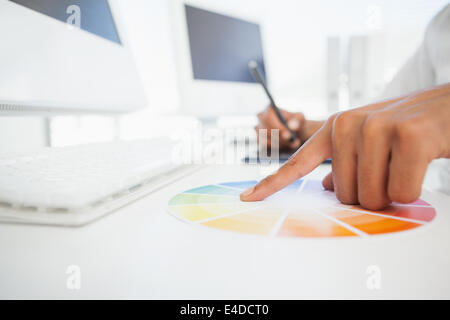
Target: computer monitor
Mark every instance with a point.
(66, 56)
(213, 50)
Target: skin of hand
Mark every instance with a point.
(303, 128)
(380, 152)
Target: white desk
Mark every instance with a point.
(141, 251)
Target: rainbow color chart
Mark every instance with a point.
(302, 209)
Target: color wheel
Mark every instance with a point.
(302, 209)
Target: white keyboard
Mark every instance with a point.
(75, 185)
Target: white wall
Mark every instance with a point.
(148, 31)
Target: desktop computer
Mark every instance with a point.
(66, 56)
(213, 49)
(62, 56)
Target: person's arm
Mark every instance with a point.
(380, 152)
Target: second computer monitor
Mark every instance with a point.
(213, 51)
(221, 46)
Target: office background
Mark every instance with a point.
(298, 37)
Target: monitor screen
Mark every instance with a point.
(50, 67)
(95, 16)
(221, 46)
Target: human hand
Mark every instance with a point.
(380, 152)
(296, 121)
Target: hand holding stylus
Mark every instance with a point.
(380, 152)
(302, 127)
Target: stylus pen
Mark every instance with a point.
(253, 66)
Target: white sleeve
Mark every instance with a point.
(430, 64)
(438, 41)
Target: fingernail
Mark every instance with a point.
(294, 124)
(248, 192)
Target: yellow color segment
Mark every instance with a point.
(206, 211)
(258, 221)
(196, 213)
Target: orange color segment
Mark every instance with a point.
(311, 224)
(372, 224)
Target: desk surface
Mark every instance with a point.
(140, 251)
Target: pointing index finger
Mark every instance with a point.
(306, 159)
